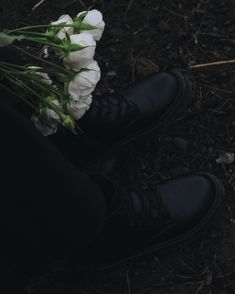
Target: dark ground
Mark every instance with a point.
(141, 37)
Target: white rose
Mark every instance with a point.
(65, 30)
(74, 59)
(45, 77)
(46, 128)
(85, 82)
(52, 114)
(78, 108)
(95, 19)
(46, 53)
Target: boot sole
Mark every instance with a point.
(162, 248)
(175, 112)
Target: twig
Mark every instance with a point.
(175, 14)
(212, 63)
(189, 283)
(128, 8)
(128, 282)
(37, 5)
(133, 66)
(214, 88)
(81, 2)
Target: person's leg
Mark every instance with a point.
(46, 204)
(10, 283)
(140, 219)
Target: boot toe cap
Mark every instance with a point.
(189, 199)
(154, 94)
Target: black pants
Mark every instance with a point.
(47, 206)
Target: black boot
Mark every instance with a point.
(113, 122)
(154, 219)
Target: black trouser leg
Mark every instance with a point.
(47, 206)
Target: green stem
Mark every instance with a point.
(33, 34)
(38, 83)
(30, 90)
(60, 68)
(36, 40)
(38, 79)
(25, 87)
(11, 65)
(39, 27)
(14, 94)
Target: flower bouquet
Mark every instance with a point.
(59, 82)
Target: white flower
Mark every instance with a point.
(46, 53)
(95, 19)
(84, 82)
(66, 19)
(46, 128)
(78, 108)
(75, 58)
(45, 77)
(51, 113)
(49, 119)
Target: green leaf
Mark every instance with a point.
(81, 16)
(6, 39)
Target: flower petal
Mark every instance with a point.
(74, 59)
(95, 19)
(65, 30)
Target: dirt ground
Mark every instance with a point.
(143, 36)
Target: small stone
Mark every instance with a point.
(111, 74)
(226, 158)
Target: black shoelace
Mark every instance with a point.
(142, 209)
(108, 112)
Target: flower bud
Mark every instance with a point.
(68, 122)
(85, 81)
(53, 112)
(45, 127)
(61, 33)
(78, 108)
(44, 76)
(94, 19)
(74, 58)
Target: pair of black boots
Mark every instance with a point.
(144, 218)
